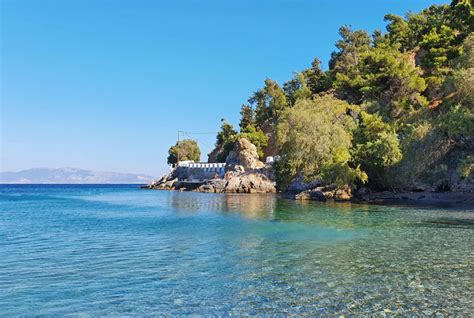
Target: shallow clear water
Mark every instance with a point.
(119, 250)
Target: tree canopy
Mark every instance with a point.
(186, 149)
(384, 98)
(315, 141)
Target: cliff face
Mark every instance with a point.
(245, 173)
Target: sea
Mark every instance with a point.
(118, 250)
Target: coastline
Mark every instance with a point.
(427, 198)
(419, 198)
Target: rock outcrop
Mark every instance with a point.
(240, 182)
(325, 193)
(300, 185)
(245, 155)
(167, 182)
(245, 173)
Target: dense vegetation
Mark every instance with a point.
(186, 149)
(393, 110)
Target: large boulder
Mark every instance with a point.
(314, 195)
(243, 154)
(167, 182)
(253, 182)
(213, 186)
(300, 185)
(325, 193)
(237, 182)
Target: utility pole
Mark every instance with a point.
(177, 145)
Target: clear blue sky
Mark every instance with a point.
(106, 84)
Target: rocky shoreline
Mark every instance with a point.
(242, 185)
(254, 181)
(423, 197)
(245, 173)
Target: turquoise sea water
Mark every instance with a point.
(118, 250)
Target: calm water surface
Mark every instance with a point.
(119, 250)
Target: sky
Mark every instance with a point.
(106, 84)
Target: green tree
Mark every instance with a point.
(399, 32)
(226, 134)
(350, 46)
(462, 16)
(256, 136)
(386, 77)
(460, 81)
(247, 116)
(187, 149)
(456, 119)
(466, 166)
(440, 48)
(317, 80)
(314, 140)
(225, 140)
(297, 88)
(269, 102)
(345, 62)
(376, 147)
(457, 124)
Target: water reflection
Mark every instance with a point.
(341, 215)
(177, 254)
(251, 206)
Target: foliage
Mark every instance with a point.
(456, 120)
(256, 136)
(414, 84)
(457, 123)
(350, 46)
(460, 81)
(384, 76)
(309, 82)
(297, 88)
(376, 146)
(318, 81)
(226, 138)
(187, 149)
(269, 102)
(315, 140)
(466, 166)
(247, 116)
(462, 16)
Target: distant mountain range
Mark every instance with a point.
(71, 175)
